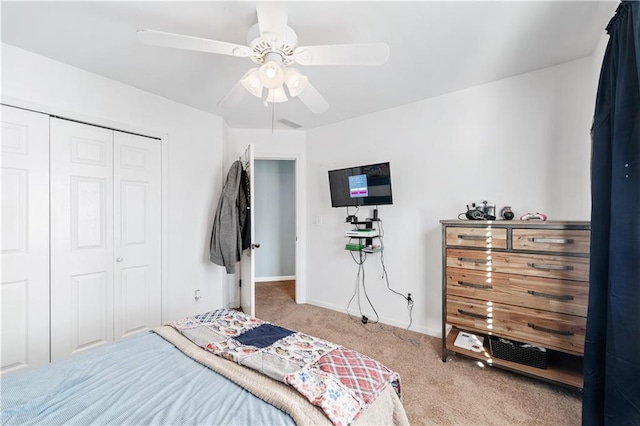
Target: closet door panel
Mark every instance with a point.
(24, 241)
(81, 237)
(91, 326)
(137, 234)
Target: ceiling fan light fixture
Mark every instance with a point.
(277, 95)
(271, 75)
(251, 82)
(295, 81)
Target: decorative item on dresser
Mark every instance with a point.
(526, 282)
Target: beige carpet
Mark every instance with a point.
(435, 393)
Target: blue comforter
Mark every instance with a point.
(141, 380)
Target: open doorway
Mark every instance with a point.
(275, 230)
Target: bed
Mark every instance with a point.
(219, 367)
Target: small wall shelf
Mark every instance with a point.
(368, 239)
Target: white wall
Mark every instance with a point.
(523, 141)
(275, 221)
(192, 157)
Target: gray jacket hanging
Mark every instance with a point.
(226, 239)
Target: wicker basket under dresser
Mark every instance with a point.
(524, 281)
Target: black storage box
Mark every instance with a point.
(510, 350)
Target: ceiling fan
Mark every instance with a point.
(273, 45)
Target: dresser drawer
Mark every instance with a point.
(562, 296)
(485, 237)
(538, 265)
(551, 240)
(547, 329)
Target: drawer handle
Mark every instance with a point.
(552, 240)
(550, 267)
(473, 285)
(550, 330)
(551, 296)
(473, 315)
(469, 259)
(475, 237)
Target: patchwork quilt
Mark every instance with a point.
(342, 382)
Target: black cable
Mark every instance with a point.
(414, 342)
(391, 329)
(358, 290)
(380, 327)
(355, 291)
(354, 214)
(364, 288)
(363, 258)
(385, 274)
(357, 287)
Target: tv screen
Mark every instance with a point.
(368, 185)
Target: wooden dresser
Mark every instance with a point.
(519, 280)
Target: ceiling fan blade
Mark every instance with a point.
(272, 19)
(233, 97)
(342, 54)
(313, 100)
(180, 41)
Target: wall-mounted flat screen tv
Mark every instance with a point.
(368, 185)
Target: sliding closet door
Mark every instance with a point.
(137, 234)
(24, 244)
(81, 237)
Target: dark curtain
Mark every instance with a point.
(611, 393)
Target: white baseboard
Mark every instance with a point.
(395, 323)
(269, 279)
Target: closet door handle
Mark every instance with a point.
(119, 259)
(550, 267)
(473, 285)
(551, 296)
(472, 314)
(550, 330)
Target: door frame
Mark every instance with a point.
(162, 137)
(279, 276)
(301, 217)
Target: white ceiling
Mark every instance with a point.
(436, 47)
